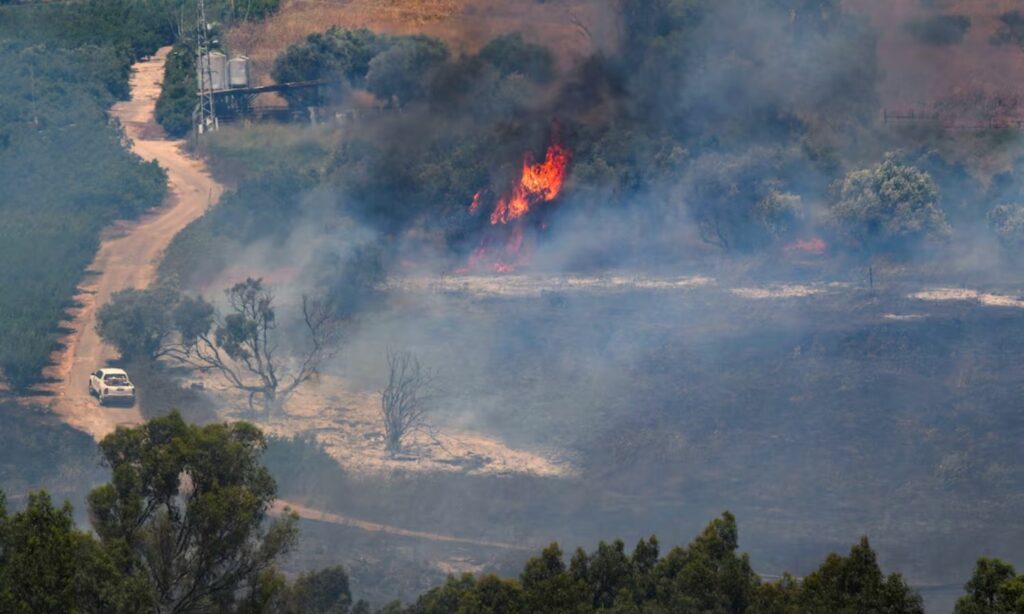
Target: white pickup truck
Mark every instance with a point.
(110, 385)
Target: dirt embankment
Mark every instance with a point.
(129, 254)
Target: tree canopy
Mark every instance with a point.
(995, 588)
(708, 575)
(187, 509)
(183, 526)
(889, 202)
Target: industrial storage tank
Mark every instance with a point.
(238, 71)
(214, 71)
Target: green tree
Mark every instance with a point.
(242, 346)
(322, 592)
(138, 322)
(319, 592)
(49, 566)
(338, 54)
(510, 54)
(177, 101)
(401, 73)
(995, 588)
(889, 205)
(187, 509)
(1007, 222)
(854, 584)
(738, 201)
(549, 588)
(708, 575)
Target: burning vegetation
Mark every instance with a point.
(735, 136)
(502, 251)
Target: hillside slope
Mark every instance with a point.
(571, 28)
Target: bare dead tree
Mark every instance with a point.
(242, 346)
(405, 402)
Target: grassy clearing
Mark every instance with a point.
(238, 152)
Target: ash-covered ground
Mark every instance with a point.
(816, 411)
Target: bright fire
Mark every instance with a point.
(540, 182)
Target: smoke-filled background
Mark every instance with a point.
(691, 256)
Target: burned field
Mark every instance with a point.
(816, 413)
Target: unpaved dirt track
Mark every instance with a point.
(129, 257)
(318, 515)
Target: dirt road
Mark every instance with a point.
(129, 256)
(313, 514)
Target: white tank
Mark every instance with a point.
(214, 71)
(238, 71)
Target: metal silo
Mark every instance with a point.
(238, 71)
(214, 71)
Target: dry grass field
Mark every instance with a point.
(571, 28)
(916, 73)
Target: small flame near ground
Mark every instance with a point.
(539, 182)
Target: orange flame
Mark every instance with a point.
(539, 183)
(473, 206)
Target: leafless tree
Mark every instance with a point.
(405, 402)
(242, 346)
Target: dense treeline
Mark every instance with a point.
(63, 164)
(706, 576)
(206, 490)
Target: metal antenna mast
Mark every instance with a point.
(207, 114)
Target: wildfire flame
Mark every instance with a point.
(475, 205)
(540, 182)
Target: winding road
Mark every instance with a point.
(129, 256)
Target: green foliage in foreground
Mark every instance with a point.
(706, 576)
(182, 527)
(47, 565)
(995, 588)
(187, 511)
